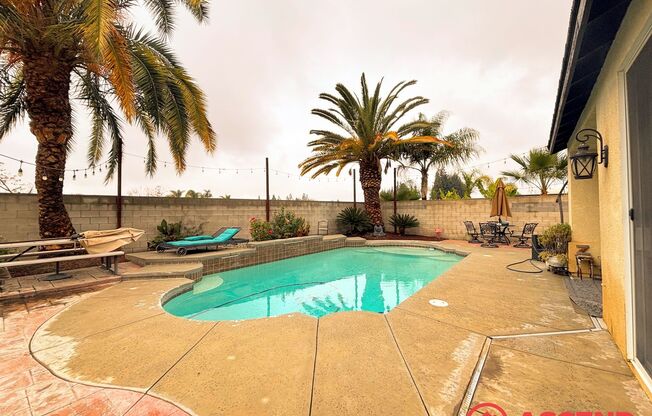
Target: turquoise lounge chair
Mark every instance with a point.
(223, 237)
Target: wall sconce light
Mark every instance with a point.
(584, 161)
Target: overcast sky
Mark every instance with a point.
(493, 64)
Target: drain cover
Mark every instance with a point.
(438, 303)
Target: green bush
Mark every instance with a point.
(285, 224)
(260, 230)
(405, 191)
(355, 221)
(452, 194)
(403, 221)
(173, 231)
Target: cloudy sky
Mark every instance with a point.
(493, 64)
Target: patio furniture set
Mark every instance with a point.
(492, 233)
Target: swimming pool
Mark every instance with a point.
(374, 279)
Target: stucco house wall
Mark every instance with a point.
(606, 112)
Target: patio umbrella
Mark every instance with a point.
(104, 241)
(499, 204)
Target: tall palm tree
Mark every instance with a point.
(426, 156)
(192, 194)
(539, 168)
(56, 50)
(207, 193)
(368, 134)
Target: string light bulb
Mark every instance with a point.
(85, 174)
(44, 177)
(60, 178)
(20, 169)
(74, 175)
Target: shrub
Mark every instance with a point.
(354, 221)
(260, 230)
(172, 231)
(405, 191)
(452, 194)
(403, 221)
(446, 182)
(555, 241)
(286, 224)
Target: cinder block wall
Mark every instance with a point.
(19, 213)
(448, 215)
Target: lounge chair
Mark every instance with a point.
(528, 230)
(472, 232)
(222, 237)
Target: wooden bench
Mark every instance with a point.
(108, 260)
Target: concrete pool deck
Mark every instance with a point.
(504, 338)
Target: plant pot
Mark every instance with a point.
(557, 262)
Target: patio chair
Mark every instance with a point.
(528, 230)
(488, 233)
(223, 237)
(472, 232)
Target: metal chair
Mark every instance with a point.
(488, 233)
(472, 232)
(528, 231)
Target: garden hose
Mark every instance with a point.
(538, 269)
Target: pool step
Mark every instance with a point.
(156, 271)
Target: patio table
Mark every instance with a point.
(501, 232)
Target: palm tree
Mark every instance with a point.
(539, 168)
(192, 194)
(470, 182)
(487, 187)
(54, 51)
(207, 193)
(368, 134)
(426, 156)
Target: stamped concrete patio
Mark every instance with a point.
(508, 338)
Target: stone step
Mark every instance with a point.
(155, 271)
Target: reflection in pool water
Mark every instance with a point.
(372, 279)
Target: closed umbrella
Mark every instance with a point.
(499, 203)
(105, 241)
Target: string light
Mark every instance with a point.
(74, 175)
(20, 169)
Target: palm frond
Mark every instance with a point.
(12, 102)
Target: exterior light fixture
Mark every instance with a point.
(585, 161)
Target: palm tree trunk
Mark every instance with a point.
(47, 80)
(424, 184)
(370, 179)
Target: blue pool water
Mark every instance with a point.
(374, 279)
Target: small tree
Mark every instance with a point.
(406, 191)
(446, 182)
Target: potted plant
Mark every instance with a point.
(403, 221)
(555, 241)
